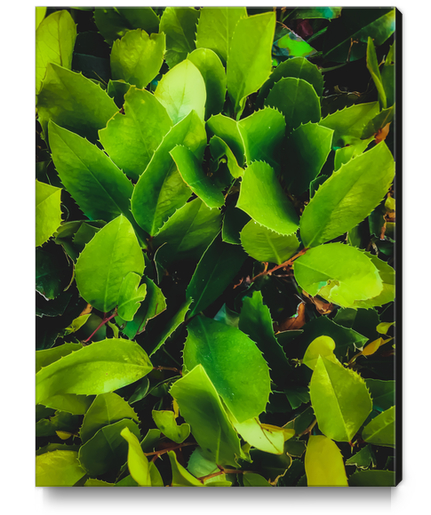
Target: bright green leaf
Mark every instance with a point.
(308, 148)
(230, 359)
(228, 131)
(180, 476)
(47, 356)
(136, 459)
(313, 13)
(218, 149)
(265, 245)
(292, 45)
(373, 68)
(58, 468)
(354, 278)
(74, 102)
(131, 138)
(348, 196)
(324, 463)
(137, 57)
(107, 408)
(181, 91)
(297, 100)
(234, 221)
(214, 75)
(265, 437)
(262, 197)
(252, 479)
(160, 190)
(249, 60)
(179, 25)
(201, 407)
(106, 451)
(345, 154)
(387, 275)
(216, 27)
(340, 400)
(102, 266)
(323, 346)
(373, 478)
(48, 211)
(381, 430)
(40, 15)
(165, 421)
(131, 296)
(55, 41)
(194, 176)
(98, 368)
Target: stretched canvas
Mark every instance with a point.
(216, 246)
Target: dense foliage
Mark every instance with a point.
(215, 227)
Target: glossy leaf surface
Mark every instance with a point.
(136, 459)
(101, 367)
(102, 266)
(340, 400)
(58, 468)
(48, 211)
(230, 359)
(165, 421)
(348, 196)
(381, 430)
(324, 463)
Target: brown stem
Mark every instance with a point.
(173, 369)
(283, 265)
(103, 322)
(309, 428)
(221, 472)
(163, 451)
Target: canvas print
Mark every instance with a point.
(217, 256)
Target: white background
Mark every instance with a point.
(17, 309)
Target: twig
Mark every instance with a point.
(283, 265)
(163, 451)
(173, 369)
(103, 322)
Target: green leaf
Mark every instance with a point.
(373, 68)
(114, 22)
(354, 277)
(83, 168)
(387, 275)
(373, 478)
(158, 339)
(384, 118)
(194, 176)
(101, 367)
(297, 100)
(40, 15)
(107, 408)
(323, 346)
(179, 25)
(117, 89)
(381, 430)
(265, 245)
(160, 190)
(187, 233)
(349, 123)
(265, 437)
(348, 196)
(61, 89)
(324, 463)
(389, 77)
(131, 296)
(255, 321)
(297, 67)
(165, 421)
(181, 91)
(218, 149)
(153, 304)
(215, 271)
(55, 41)
(106, 451)
(234, 221)
(229, 358)
(382, 392)
(47, 356)
(53, 272)
(137, 57)
(180, 476)
(357, 25)
(249, 60)
(262, 197)
(136, 459)
(228, 130)
(58, 468)
(262, 134)
(345, 154)
(131, 138)
(292, 45)
(252, 479)
(363, 459)
(214, 75)
(308, 148)
(48, 211)
(340, 400)
(216, 27)
(70, 403)
(201, 407)
(102, 266)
